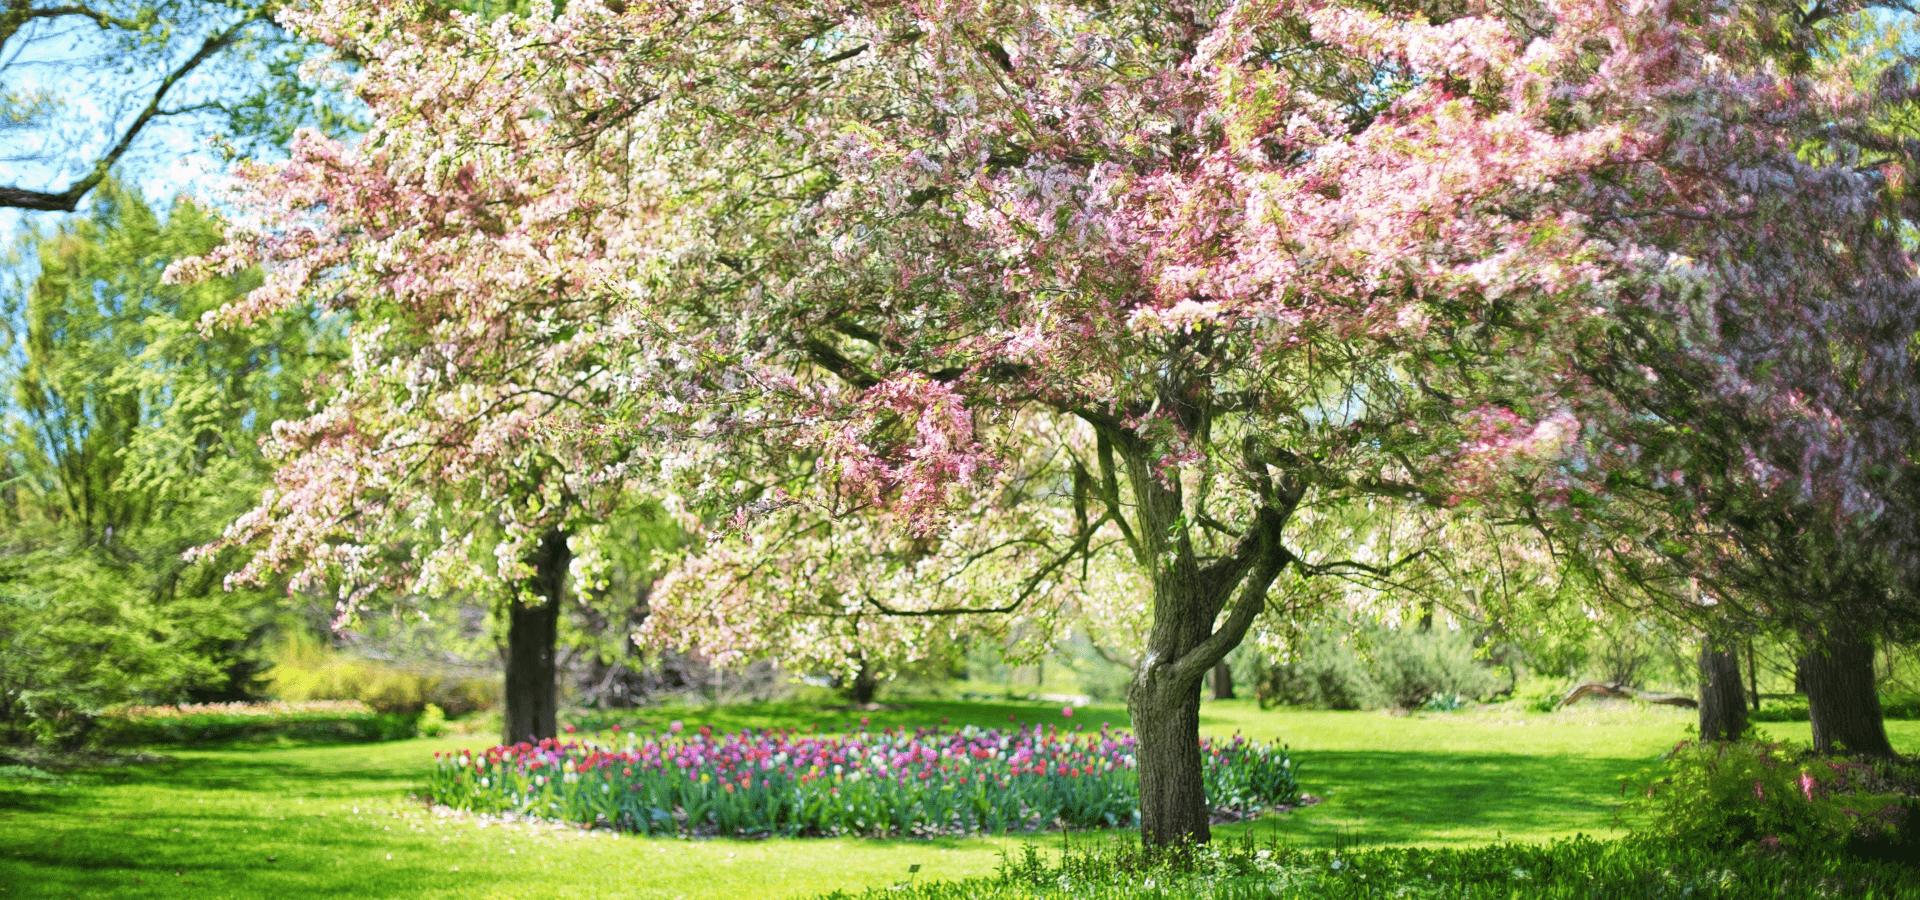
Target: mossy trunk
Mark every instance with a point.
(533, 632)
(1173, 798)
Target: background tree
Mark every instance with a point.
(130, 439)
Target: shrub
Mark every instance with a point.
(1900, 706)
(432, 722)
(1541, 694)
(1789, 710)
(78, 638)
(1369, 665)
(892, 783)
(305, 669)
(1729, 795)
(1794, 709)
(348, 721)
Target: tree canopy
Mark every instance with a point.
(959, 306)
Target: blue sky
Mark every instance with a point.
(99, 86)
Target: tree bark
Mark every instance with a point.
(533, 630)
(1222, 681)
(1166, 722)
(1189, 597)
(1723, 709)
(1841, 695)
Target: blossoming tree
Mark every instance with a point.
(961, 306)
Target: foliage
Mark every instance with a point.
(323, 722)
(893, 783)
(1368, 665)
(76, 638)
(131, 438)
(915, 427)
(304, 669)
(1578, 868)
(1735, 794)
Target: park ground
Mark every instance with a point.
(339, 821)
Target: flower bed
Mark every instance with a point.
(928, 781)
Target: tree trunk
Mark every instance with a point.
(1845, 707)
(1182, 644)
(1222, 681)
(533, 630)
(1166, 721)
(1191, 594)
(864, 686)
(1753, 676)
(1723, 711)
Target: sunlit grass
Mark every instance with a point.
(336, 821)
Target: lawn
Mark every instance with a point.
(302, 821)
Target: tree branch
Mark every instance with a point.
(1273, 557)
(67, 200)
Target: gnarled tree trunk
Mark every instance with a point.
(1723, 711)
(533, 631)
(1182, 642)
(1841, 697)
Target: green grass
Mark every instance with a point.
(1579, 869)
(204, 825)
(335, 822)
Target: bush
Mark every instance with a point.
(78, 638)
(1541, 695)
(893, 783)
(1900, 706)
(1370, 665)
(1789, 710)
(324, 722)
(305, 669)
(433, 722)
(1578, 868)
(1732, 795)
(1794, 709)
